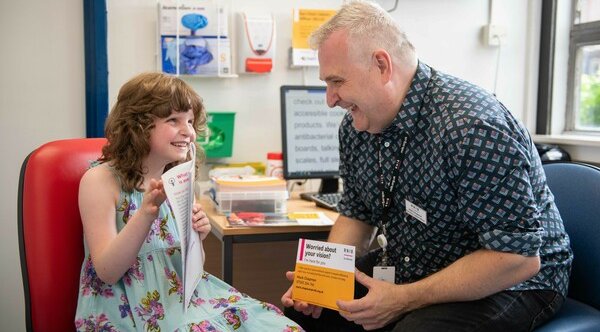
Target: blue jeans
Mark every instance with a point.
(503, 311)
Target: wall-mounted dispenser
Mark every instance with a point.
(256, 47)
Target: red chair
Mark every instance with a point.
(50, 230)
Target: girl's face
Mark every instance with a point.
(171, 137)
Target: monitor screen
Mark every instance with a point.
(309, 133)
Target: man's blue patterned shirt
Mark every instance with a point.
(471, 166)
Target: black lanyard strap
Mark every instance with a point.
(387, 191)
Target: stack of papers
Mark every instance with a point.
(236, 183)
(259, 219)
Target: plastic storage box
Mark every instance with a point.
(255, 201)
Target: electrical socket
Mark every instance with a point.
(493, 34)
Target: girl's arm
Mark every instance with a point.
(112, 252)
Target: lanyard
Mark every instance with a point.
(387, 191)
(386, 194)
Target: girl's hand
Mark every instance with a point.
(153, 198)
(200, 221)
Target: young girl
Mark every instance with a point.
(130, 277)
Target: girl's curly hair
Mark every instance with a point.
(141, 100)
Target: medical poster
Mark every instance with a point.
(324, 273)
(194, 39)
(304, 23)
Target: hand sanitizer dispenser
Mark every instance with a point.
(256, 35)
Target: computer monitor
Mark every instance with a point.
(310, 136)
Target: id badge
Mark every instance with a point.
(385, 273)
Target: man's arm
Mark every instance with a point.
(352, 232)
(477, 275)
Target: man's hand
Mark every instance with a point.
(305, 308)
(382, 305)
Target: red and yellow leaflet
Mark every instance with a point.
(324, 273)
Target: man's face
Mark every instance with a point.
(352, 83)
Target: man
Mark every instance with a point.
(451, 183)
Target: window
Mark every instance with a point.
(583, 95)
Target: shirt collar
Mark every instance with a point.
(408, 115)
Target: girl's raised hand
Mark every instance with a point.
(200, 221)
(153, 198)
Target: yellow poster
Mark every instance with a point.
(324, 273)
(305, 21)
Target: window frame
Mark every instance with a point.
(546, 67)
(580, 35)
(96, 66)
(547, 74)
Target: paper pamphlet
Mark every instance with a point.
(265, 219)
(324, 273)
(179, 188)
(305, 22)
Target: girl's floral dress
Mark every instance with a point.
(149, 296)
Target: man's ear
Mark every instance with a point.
(383, 62)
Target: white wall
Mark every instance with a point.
(42, 98)
(447, 35)
(42, 86)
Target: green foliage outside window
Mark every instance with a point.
(589, 106)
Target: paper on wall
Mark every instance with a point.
(305, 21)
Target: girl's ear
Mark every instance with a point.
(383, 62)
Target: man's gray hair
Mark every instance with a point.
(369, 27)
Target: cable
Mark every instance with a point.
(300, 183)
(497, 64)
(304, 75)
(388, 10)
(393, 8)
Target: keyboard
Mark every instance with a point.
(328, 201)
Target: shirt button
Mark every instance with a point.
(386, 144)
(407, 259)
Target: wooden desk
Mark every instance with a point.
(230, 235)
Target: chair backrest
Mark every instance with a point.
(50, 230)
(576, 188)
